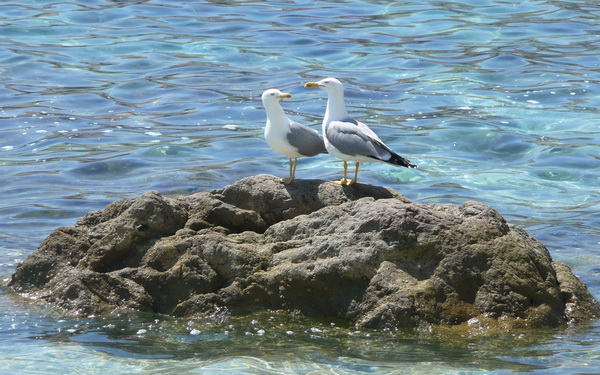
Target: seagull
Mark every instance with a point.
(348, 139)
(288, 137)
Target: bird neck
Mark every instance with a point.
(275, 114)
(336, 108)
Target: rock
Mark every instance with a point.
(361, 253)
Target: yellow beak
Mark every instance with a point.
(285, 95)
(311, 84)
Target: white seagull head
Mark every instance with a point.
(274, 96)
(329, 85)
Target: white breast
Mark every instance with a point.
(276, 137)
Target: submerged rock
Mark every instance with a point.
(362, 253)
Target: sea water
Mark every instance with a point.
(495, 100)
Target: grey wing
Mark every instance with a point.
(306, 140)
(364, 128)
(352, 139)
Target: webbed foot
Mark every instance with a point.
(341, 182)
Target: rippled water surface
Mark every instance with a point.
(100, 100)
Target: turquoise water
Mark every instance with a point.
(496, 101)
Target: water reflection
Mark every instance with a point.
(273, 341)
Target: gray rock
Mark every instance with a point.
(361, 253)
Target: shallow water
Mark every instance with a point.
(496, 101)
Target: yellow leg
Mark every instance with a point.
(293, 163)
(343, 181)
(352, 182)
(294, 169)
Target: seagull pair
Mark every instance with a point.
(343, 137)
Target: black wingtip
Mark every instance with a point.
(399, 160)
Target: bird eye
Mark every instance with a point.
(272, 93)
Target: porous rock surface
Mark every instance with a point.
(361, 253)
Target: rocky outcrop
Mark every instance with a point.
(361, 253)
